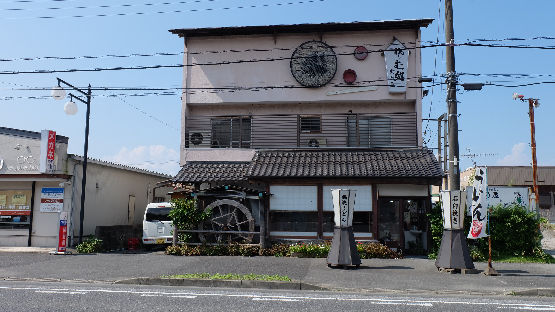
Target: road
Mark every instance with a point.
(67, 296)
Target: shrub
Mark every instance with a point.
(185, 216)
(276, 250)
(376, 250)
(309, 250)
(514, 232)
(90, 245)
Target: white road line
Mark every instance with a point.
(275, 299)
(192, 295)
(60, 292)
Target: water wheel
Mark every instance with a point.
(227, 215)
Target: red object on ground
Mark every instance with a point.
(132, 243)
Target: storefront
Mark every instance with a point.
(31, 200)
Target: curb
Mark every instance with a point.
(197, 282)
(537, 292)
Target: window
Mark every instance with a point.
(15, 209)
(231, 132)
(373, 131)
(158, 214)
(311, 124)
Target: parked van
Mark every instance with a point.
(157, 225)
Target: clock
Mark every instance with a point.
(313, 64)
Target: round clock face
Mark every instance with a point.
(313, 64)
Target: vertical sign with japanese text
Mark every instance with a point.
(453, 207)
(47, 151)
(479, 204)
(62, 234)
(396, 64)
(343, 204)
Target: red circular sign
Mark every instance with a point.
(349, 76)
(360, 53)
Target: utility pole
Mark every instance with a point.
(454, 175)
(453, 252)
(532, 103)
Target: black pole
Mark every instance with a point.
(454, 178)
(84, 182)
(31, 214)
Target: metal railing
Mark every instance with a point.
(300, 131)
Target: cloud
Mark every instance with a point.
(519, 156)
(157, 158)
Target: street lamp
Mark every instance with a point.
(70, 108)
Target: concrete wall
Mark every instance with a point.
(108, 193)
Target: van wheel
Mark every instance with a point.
(228, 216)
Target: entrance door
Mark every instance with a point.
(389, 222)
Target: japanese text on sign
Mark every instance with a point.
(396, 63)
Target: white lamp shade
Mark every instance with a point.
(70, 108)
(58, 93)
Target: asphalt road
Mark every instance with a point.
(43, 296)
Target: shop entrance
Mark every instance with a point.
(402, 223)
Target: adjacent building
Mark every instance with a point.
(274, 117)
(32, 197)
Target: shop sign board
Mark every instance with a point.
(52, 199)
(453, 205)
(396, 64)
(47, 151)
(343, 206)
(62, 233)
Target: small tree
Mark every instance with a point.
(185, 216)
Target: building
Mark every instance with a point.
(507, 184)
(31, 200)
(274, 117)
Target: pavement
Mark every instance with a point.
(406, 276)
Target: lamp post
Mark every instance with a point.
(532, 103)
(70, 108)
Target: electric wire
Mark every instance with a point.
(265, 5)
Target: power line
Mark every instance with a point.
(173, 11)
(125, 5)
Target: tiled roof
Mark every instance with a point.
(409, 163)
(208, 171)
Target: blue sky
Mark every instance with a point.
(143, 131)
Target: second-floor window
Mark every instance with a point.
(231, 132)
(310, 124)
(372, 131)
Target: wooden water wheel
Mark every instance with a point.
(230, 217)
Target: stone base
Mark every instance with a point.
(343, 250)
(453, 253)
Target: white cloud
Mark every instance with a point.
(520, 156)
(157, 158)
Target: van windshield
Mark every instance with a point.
(158, 214)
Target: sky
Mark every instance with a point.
(142, 128)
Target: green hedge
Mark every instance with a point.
(301, 250)
(515, 232)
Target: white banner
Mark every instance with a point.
(479, 204)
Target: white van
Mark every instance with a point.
(157, 225)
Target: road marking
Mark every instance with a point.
(258, 297)
(275, 299)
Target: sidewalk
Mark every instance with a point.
(411, 275)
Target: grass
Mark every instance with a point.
(231, 276)
(524, 259)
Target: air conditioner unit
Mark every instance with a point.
(317, 142)
(196, 138)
